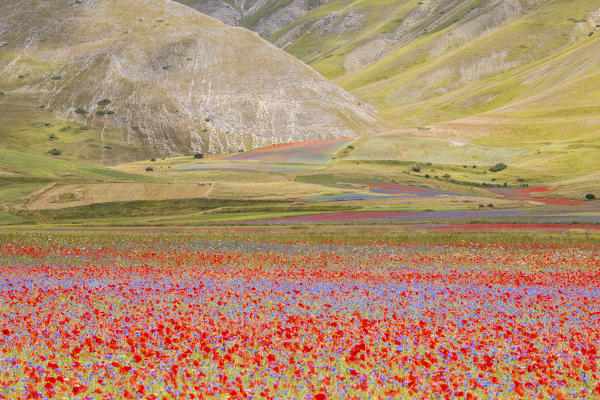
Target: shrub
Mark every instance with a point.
(56, 78)
(490, 205)
(446, 176)
(104, 102)
(1, 94)
(498, 167)
(100, 112)
(427, 176)
(148, 169)
(81, 111)
(153, 159)
(590, 196)
(198, 155)
(416, 168)
(55, 152)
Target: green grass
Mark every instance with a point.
(24, 126)
(136, 208)
(356, 235)
(434, 150)
(13, 191)
(53, 167)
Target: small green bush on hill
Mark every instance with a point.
(498, 167)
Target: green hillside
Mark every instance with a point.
(492, 73)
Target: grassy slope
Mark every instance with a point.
(529, 81)
(53, 168)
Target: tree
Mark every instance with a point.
(498, 167)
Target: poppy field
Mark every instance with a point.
(112, 315)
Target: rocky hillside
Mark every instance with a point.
(266, 17)
(421, 62)
(160, 77)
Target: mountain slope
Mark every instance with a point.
(159, 77)
(422, 62)
(266, 17)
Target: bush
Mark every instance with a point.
(416, 168)
(198, 155)
(148, 169)
(104, 102)
(590, 196)
(81, 111)
(153, 159)
(55, 152)
(498, 167)
(100, 112)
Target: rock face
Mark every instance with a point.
(160, 70)
(262, 16)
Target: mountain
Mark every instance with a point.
(266, 17)
(494, 72)
(114, 80)
(408, 57)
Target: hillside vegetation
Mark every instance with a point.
(520, 73)
(157, 77)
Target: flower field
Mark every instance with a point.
(164, 316)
